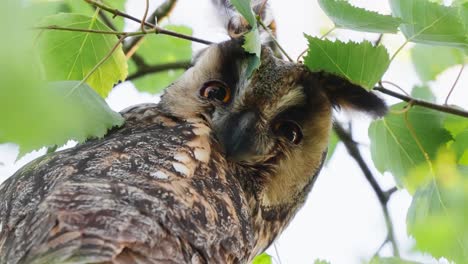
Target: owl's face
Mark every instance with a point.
(278, 118)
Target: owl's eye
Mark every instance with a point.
(289, 130)
(216, 90)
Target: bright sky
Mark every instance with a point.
(342, 221)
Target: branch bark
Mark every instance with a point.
(383, 196)
(414, 101)
(159, 68)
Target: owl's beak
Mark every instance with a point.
(238, 136)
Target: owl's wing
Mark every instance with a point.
(154, 191)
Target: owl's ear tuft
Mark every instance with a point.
(344, 94)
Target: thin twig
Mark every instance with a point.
(322, 37)
(277, 253)
(355, 153)
(158, 30)
(441, 108)
(159, 14)
(159, 68)
(145, 15)
(273, 38)
(379, 40)
(107, 20)
(398, 51)
(454, 84)
(95, 31)
(394, 85)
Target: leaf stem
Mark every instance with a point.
(273, 38)
(397, 51)
(441, 108)
(328, 32)
(418, 142)
(454, 84)
(158, 30)
(396, 86)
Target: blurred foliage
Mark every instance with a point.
(438, 213)
(391, 260)
(432, 23)
(263, 258)
(158, 50)
(423, 92)
(430, 61)
(35, 113)
(405, 138)
(344, 15)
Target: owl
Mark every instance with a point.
(213, 173)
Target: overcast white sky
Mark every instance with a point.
(342, 220)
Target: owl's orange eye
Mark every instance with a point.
(289, 130)
(216, 90)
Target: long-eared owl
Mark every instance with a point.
(211, 174)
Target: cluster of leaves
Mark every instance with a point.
(425, 150)
(56, 79)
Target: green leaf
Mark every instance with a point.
(47, 115)
(34, 114)
(245, 9)
(69, 55)
(263, 258)
(423, 92)
(361, 63)
(430, 61)
(430, 23)
(455, 124)
(158, 50)
(320, 261)
(398, 145)
(252, 42)
(252, 45)
(43, 8)
(437, 215)
(333, 142)
(460, 145)
(345, 15)
(391, 260)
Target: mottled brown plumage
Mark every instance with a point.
(211, 174)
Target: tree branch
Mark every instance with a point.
(95, 31)
(158, 30)
(413, 101)
(383, 196)
(143, 70)
(107, 20)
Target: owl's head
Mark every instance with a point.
(275, 123)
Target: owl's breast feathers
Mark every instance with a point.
(153, 191)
